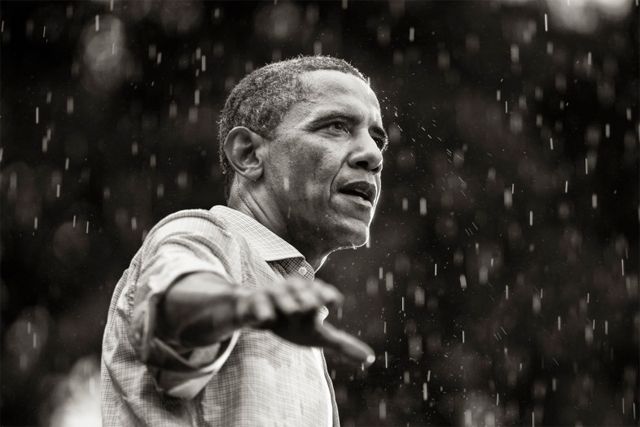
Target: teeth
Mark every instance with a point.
(356, 193)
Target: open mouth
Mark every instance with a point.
(360, 189)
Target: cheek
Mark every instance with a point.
(315, 169)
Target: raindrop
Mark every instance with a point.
(515, 53)
(388, 280)
(423, 206)
(537, 304)
(382, 407)
(70, 105)
(508, 198)
(463, 282)
(588, 334)
(418, 296)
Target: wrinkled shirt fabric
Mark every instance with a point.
(254, 378)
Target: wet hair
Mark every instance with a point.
(262, 98)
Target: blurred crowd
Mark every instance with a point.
(500, 286)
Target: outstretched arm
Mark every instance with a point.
(203, 308)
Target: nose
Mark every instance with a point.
(366, 154)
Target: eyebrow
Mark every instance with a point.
(328, 115)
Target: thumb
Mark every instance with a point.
(346, 344)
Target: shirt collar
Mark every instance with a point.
(269, 245)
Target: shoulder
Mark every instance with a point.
(191, 221)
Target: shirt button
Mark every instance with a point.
(302, 271)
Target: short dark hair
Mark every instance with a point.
(262, 98)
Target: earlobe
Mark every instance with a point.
(241, 147)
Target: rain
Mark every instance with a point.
(500, 283)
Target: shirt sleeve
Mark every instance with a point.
(179, 248)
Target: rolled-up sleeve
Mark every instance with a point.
(173, 251)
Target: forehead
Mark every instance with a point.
(335, 88)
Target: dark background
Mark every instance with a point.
(501, 283)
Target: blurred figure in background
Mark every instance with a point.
(201, 324)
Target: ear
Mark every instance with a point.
(241, 146)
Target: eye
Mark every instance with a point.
(337, 127)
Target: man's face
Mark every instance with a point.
(324, 165)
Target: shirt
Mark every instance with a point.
(255, 378)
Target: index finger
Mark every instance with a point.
(346, 344)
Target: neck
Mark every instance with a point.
(277, 223)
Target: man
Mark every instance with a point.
(219, 319)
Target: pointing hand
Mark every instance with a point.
(291, 311)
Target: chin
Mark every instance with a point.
(353, 236)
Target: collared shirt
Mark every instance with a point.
(254, 378)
